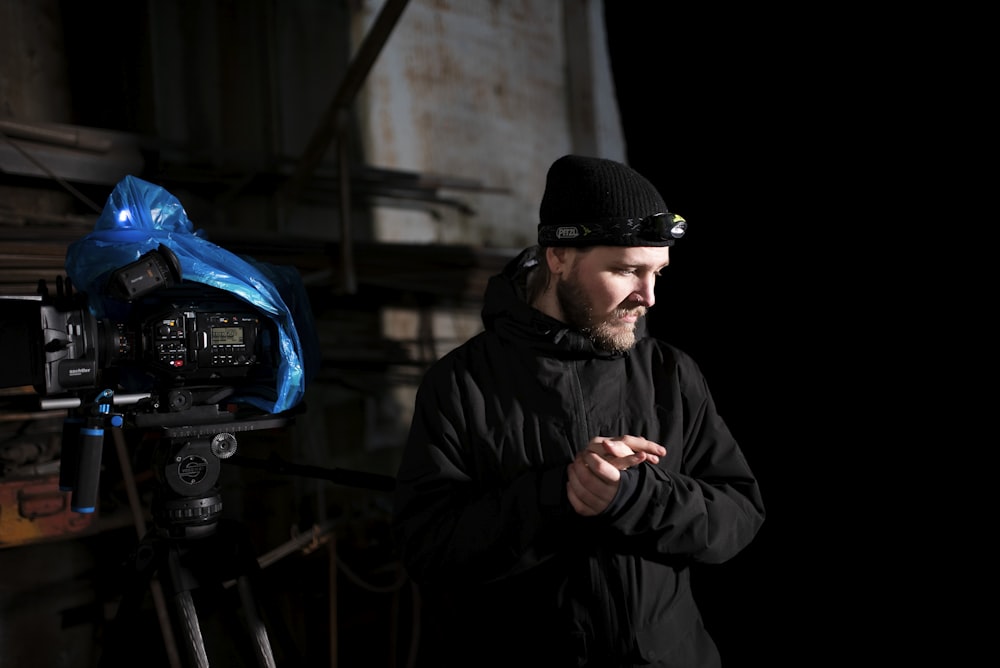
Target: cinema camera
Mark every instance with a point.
(168, 338)
(173, 355)
(176, 342)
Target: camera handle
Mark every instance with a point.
(82, 446)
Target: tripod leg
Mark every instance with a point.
(124, 628)
(262, 645)
(155, 590)
(206, 617)
(166, 629)
(190, 629)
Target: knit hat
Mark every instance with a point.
(599, 202)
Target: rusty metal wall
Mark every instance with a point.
(483, 88)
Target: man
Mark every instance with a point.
(563, 470)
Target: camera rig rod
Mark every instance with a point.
(59, 403)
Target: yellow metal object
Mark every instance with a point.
(35, 509)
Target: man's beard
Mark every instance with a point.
(610, 333)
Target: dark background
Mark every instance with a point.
(728, 114)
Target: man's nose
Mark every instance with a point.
(645, 292)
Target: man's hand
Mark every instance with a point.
(626, 451)
(593, 477)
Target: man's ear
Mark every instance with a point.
(558, 258)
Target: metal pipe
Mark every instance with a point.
(355, 75)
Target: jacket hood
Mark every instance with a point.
(507, 314)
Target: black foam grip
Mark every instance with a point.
(84, 499)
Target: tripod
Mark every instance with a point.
(186, 560)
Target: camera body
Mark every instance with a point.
(178, 337)
(186, 344)
(200, 342)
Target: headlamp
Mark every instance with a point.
(661, 227)
(658, 229)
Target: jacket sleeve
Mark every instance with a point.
(449, 524)
(707, 508)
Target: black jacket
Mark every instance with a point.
(509, 574)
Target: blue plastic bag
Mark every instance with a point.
(140, 216)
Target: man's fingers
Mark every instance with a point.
(627, 446)
(615, 448)
(603, 469)
(640, 444)
(591, 484)
(583, 500)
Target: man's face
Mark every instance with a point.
(603, 291)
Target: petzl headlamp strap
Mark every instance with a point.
(659, 229)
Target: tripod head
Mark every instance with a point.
(187, 462)
(190, 440)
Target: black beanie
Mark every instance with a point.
(600, 202)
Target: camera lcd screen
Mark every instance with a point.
(227, 336)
